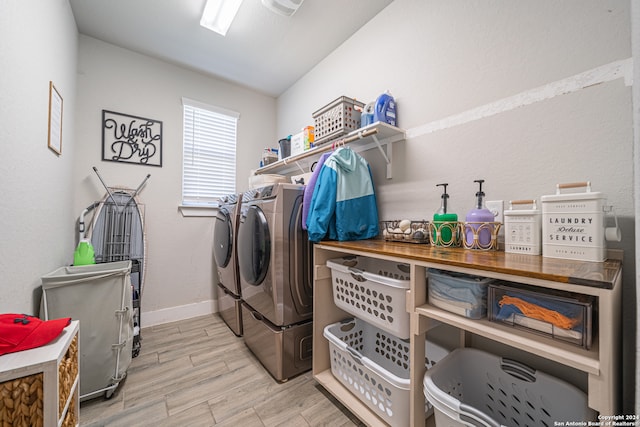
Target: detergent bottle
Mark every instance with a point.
(84, 253)
(385, 109)
(476, 216)
(366, 118)
(445, 224)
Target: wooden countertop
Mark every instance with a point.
(587, 273)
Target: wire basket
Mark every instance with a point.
(336, 119)
(405, 231)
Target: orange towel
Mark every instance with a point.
(540, 313)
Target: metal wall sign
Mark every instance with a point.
(131, 139)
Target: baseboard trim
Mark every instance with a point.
(174, 314)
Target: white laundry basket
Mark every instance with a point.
(374, 366)
(470, 387)
(99, 296)
(374, 290)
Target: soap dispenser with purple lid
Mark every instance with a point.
(477, 220)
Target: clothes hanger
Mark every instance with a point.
(337, 144)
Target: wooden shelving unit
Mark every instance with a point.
(600, 279)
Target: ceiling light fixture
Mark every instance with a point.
(283, 7)
(218, 15)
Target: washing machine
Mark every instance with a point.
(275, 267)
(228, 288)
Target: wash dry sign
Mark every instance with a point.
(131, 139)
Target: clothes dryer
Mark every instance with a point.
(228, 288)
(275, 267)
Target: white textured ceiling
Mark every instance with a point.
(262, 50)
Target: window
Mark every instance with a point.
(209, 153)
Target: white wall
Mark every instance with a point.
(635, 45)
(446, 58)
(38, 44)
(180, 266)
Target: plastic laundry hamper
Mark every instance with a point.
(374, 366)
(472, 388)
(99, 296)
(374, 290)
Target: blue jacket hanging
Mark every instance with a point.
(343, 206)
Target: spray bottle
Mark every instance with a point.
(444, 222)
(480, 214)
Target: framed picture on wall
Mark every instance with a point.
(131, 139)
(55, 119)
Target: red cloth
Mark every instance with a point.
(21, 332)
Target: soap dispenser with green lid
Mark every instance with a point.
(445, 223)
(477, 220)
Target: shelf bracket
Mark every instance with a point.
(387, 156)
(299, 167)
(296, 162)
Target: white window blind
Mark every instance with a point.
(209, 153)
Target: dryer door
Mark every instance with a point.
(254, 245)
(300, 264)
(223, 238)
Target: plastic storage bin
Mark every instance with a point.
(556, 316)
(373, 290)
(337, 118)
(458, 293)
(99, 296)
(472, 388)
(374, 366)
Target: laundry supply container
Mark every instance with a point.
(573, 224)
(373, 290)
(100, 297)
(470, 387)
(458, 293)
(523, 228)
(374, 366)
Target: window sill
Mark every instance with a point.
(198, 211)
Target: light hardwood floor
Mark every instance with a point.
(198, 373)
